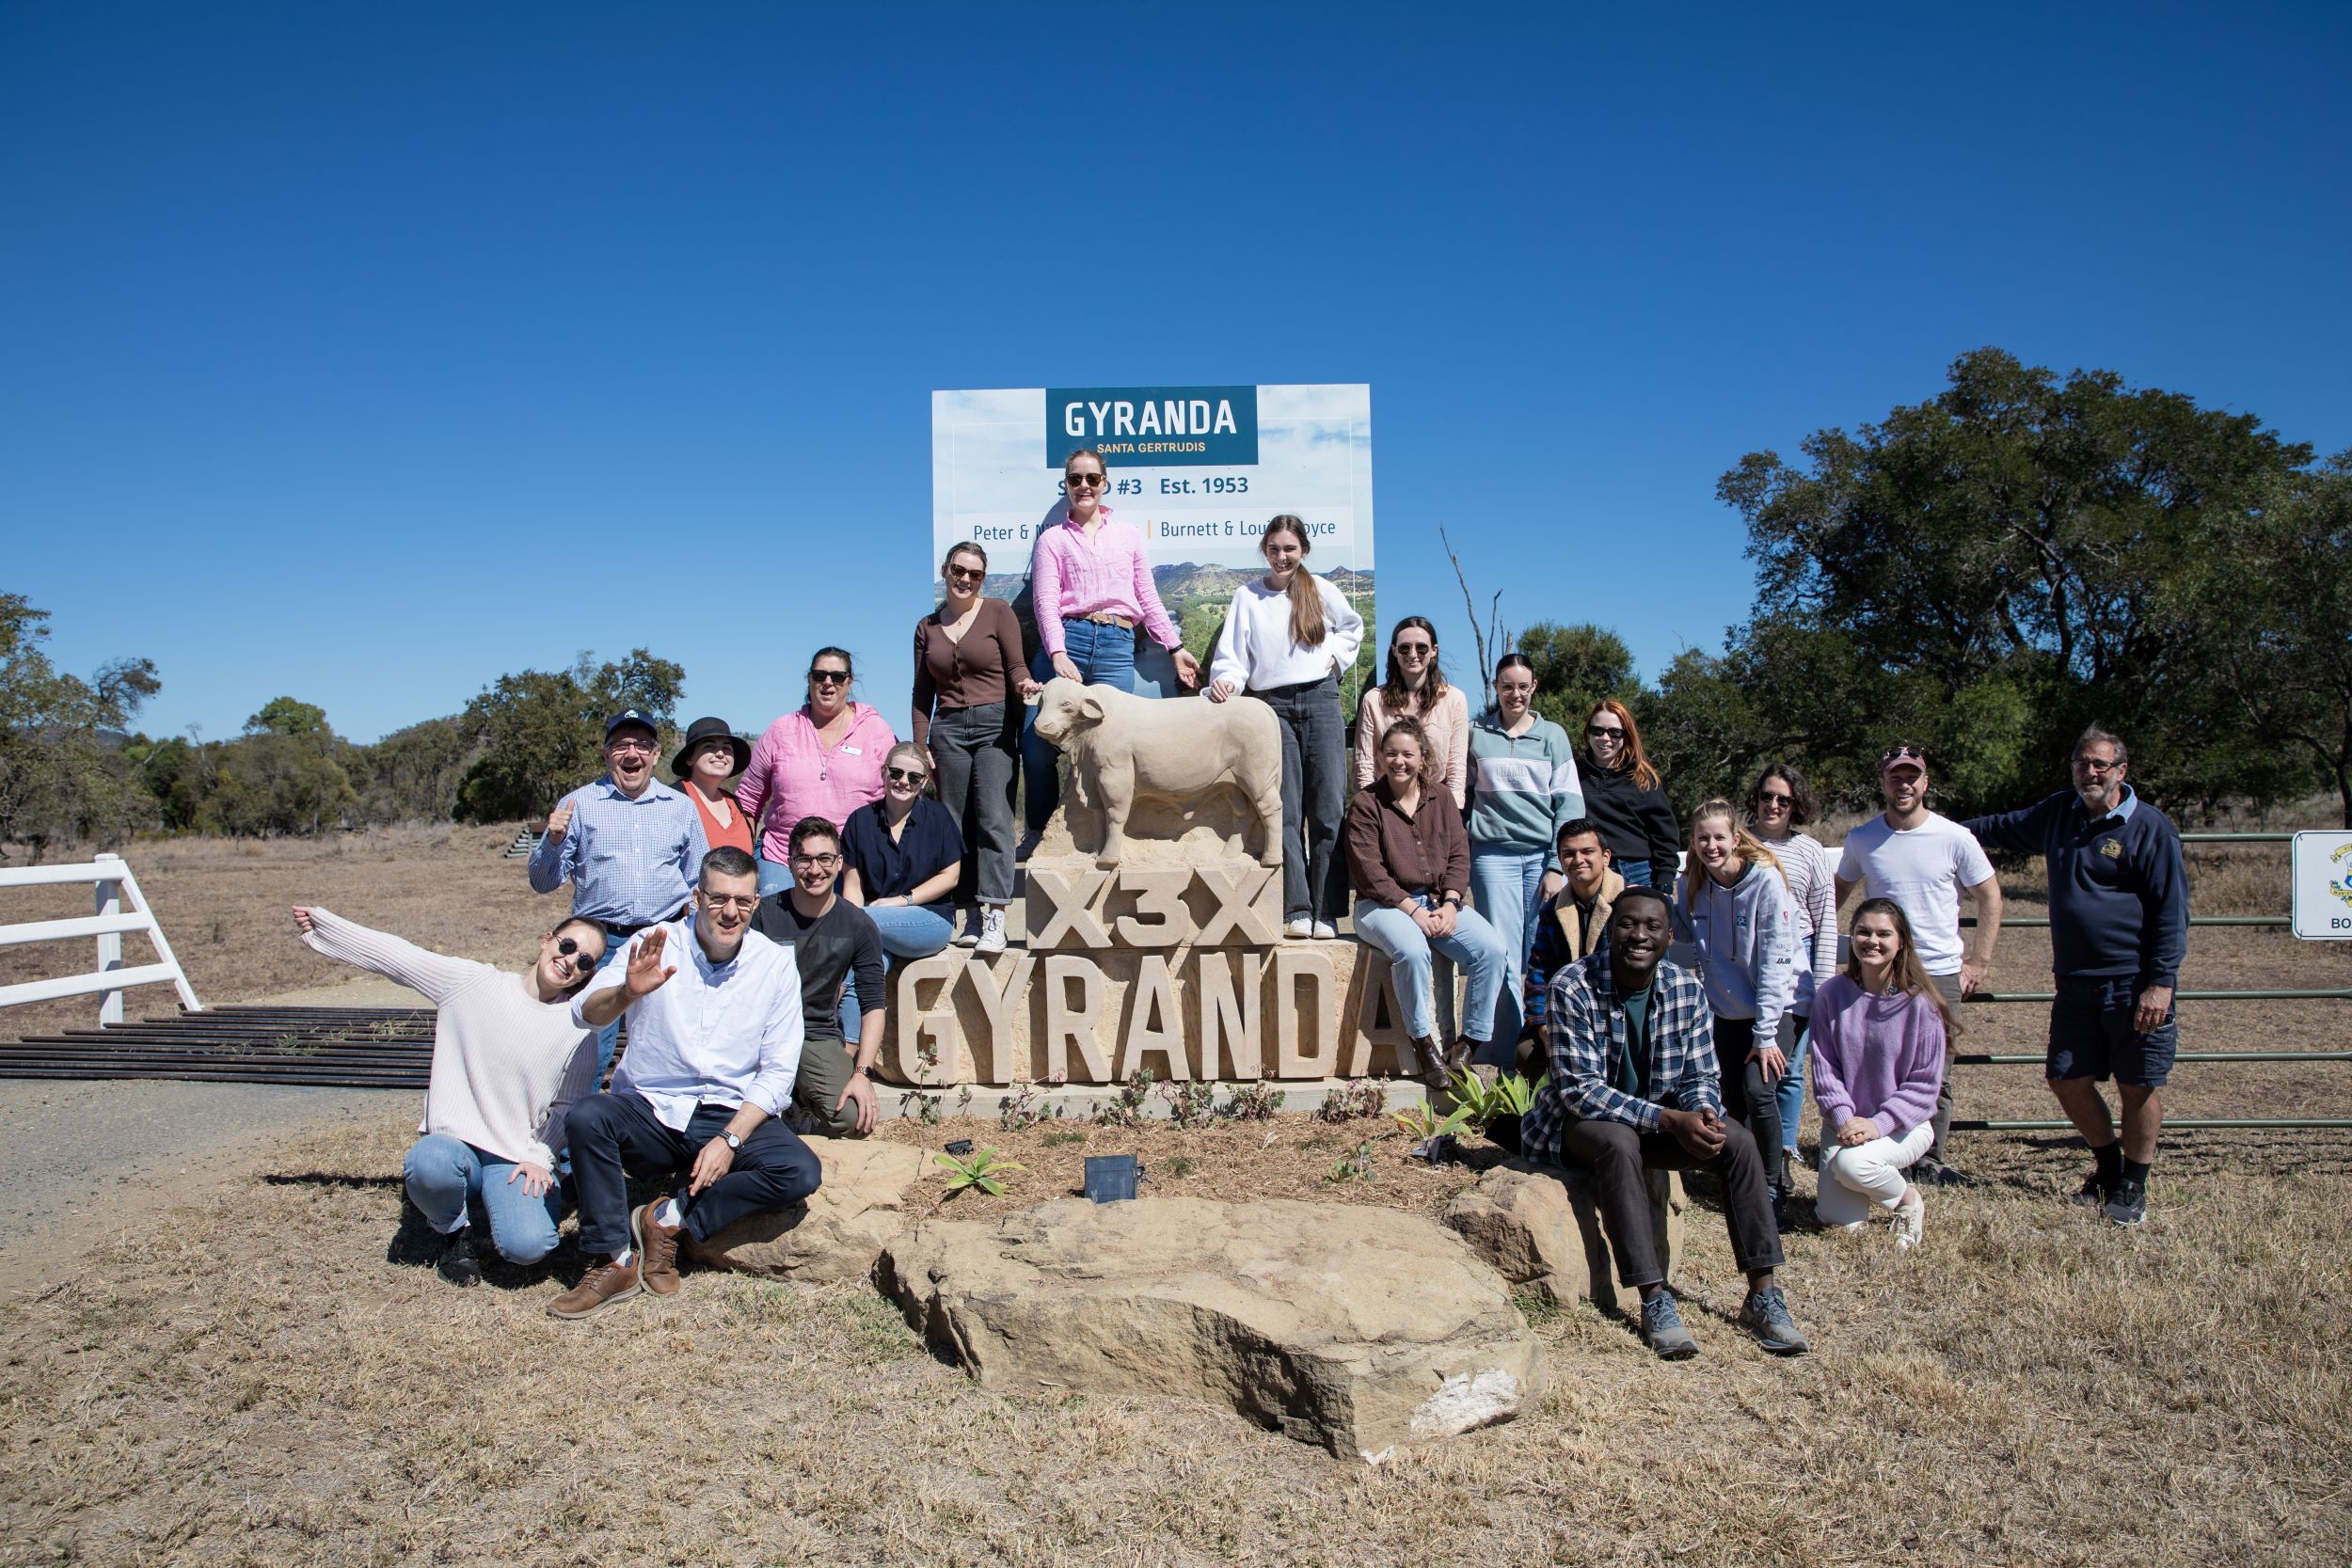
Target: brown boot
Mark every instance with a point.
(657, 1250)
(609, 1284)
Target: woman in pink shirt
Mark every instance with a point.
(825, 760)
(1089, 587)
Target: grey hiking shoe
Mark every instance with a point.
(1662, 1325)
(2094, 1192)
(1765, 1314)
(2129, 1206)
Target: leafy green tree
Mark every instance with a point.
(1576, 666)
(269, 784)
(286, 716)
(61, 775)
(413, 774)
(1996, 560)
(542, 734)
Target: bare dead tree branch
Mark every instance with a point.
(1488, 637)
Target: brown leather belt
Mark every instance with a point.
(1104, 618)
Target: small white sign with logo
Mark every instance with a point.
(2322, 886)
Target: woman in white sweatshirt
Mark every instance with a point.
(507, 1063)
(1288, 637)
(1736, 923)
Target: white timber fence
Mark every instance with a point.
(121, 909)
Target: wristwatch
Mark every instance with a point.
(1453, 899)
(735, 1144)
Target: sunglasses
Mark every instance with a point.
(1086, 482)
(829, 678)
(571, 947)
(906, 775)
(1903, 753)
(968, 573)
(1406, 650)
(1769, 798)
(1599, 730)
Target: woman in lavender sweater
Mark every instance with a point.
(1879, 1028)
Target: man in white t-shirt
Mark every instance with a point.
(1923, 861)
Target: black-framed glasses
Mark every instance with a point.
(968, 573)
(1596, 730)
(829, 678)
(906, 775)
(816, 862)
(1092, 481)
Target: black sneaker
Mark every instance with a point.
(1662, 1325)
(2095, 1191)
(458, 1263)
(1932, 1172)
(1765, 1314)
(2129, 1206)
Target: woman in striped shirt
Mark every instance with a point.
(1780, 804)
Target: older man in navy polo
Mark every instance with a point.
(628, 844)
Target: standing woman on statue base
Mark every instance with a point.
(1524, 789)
(1626, 801)
(1288, 637)
(969, 683)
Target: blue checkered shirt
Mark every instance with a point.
(629, 862)
(1588, 1039)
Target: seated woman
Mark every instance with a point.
(1410, 858)
(507, 1064)
(1879, 1032)
(900, 858)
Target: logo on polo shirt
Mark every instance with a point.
(2110, 849)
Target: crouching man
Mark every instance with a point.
(714, 1041)
(1634, 1086)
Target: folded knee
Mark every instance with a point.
(523, 1251)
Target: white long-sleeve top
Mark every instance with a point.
(1255, 651)
(506, 1065)
(724, 1034)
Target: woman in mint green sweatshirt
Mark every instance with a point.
(1523, 786)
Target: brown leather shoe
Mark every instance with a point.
(657, 1250)
(609, 1284)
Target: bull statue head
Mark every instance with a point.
(1067, 707)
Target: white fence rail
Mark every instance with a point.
(122, 910)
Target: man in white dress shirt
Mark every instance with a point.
(714, 1042)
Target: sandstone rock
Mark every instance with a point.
(1351, 1327)
(841, 1230)
(1539, 1227)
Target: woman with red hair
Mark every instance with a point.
(1626, 801)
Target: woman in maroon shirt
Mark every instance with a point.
(969, 679)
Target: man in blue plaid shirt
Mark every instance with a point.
(1633, 1086)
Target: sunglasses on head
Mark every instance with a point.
(1903, 753)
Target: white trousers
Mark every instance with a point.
(1855, 1179)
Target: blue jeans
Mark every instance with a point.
(1636, 873)
(908, 931)
(1473, 946)
(1105, 655)
(609, 1037)
(774, 876)
(443, 1174)
(1791, 1090)
(1507, 886)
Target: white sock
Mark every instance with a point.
(667, 1216)
(625, 1256)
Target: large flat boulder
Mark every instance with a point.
(1539, 1227)
(841, 1230)
(1351, 1327)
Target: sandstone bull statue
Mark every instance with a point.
(1123, 748)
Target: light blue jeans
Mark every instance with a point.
(1792, 1089)
(908, 931)
(1105, 655)
(443, 1174)
(1473, 946)
(1507, 886)
(609, 1037)
(774, 876)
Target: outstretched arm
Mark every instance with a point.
(435, 976)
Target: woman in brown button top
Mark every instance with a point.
(969, 679)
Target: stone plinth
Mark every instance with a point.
(1539, 1227)
(839, 1232)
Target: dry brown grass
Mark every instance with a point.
(223, 906)
(250, 1381)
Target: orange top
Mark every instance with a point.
(737, 828)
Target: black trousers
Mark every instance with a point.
(1749, 1097)
(613, 1134)
(1617, 1154)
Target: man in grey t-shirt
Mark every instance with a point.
(1923, 862)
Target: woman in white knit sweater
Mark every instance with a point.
(507, 1063)
(1289, 637)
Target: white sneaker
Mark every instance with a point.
(1326, 931)
(992, 937)
(971, 932)
(1302, 926)
(1911, 1222)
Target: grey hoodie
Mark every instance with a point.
(1743, 940)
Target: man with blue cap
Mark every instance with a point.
(628, 844)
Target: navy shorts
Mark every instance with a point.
(2091, 1034)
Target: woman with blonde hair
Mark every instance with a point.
(1625, 798)
(1736, 923)
(1879, 1032)
(1288, 637)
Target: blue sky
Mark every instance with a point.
(366, 353)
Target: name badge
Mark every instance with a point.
(852, 751)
